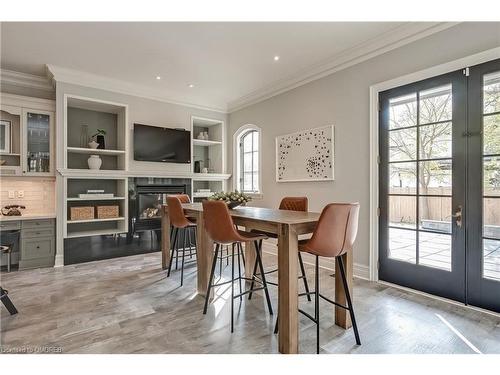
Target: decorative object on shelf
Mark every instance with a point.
(96, 195)
(94, 162)
(84, 136)
(108, 212)
(13, 210)
(93, 144)
(197, 166)
(307, 155)
(201, 135)
(204, 170)
(5, 136)
(2, 161)
(233, 199)
(99, 138)
(205, 136)
(81, 213)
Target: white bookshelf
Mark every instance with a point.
(94, 151)
(96, 220)
(205, 143)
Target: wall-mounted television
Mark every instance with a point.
(163, 145)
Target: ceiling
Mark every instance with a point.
(226, 62)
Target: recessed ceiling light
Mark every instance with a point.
(158, 77)
(190, 85)
(276, 58)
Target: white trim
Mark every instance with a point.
(31, 81)
(451, 66)
(395, 38)
(13, 100)
(60, 74)
(236, 157)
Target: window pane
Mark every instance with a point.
(255, 181)
(491, 176)
(255, 161)
(255, 141)
(435, 104)
(402, 211)
(247, 162)
(434, 250)
(403, 111)
(491, 259)
(435, 214)
(435, 177)
(491, 134)
(403, 144)
(402, 178)
(492, 92)
(247, 182)
(491, 217)
(247, 142)
(403, 245)
(435, 141)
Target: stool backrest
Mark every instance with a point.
(176, 213)
(294, 204)
(336, 230)
(184, 198)
(218, 222)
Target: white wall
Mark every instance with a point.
(342, 99)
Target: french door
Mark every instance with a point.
(440, 185)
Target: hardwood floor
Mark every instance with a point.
(127, 305)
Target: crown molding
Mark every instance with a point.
(76, 77)
(31, 81)
(395, 38)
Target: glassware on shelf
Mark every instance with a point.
(84, 136)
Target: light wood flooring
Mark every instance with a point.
(127, 305)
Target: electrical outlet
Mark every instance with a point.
(11, 194)
(20, 193)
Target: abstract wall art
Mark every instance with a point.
(307, 155)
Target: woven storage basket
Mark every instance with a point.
(107, 212)
(81, 213)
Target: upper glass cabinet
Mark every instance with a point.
(10, 137)
(38, 155)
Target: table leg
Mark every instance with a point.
(288, 340)
(204, 255)
(249, 255)
(342, 317)
(165, 238)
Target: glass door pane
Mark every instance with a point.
(38, 142)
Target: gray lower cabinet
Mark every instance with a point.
(38, 244)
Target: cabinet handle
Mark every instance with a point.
(38, 247)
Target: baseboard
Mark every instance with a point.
(360, 270)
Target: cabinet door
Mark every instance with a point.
(10, 140)
(35, 248)
(38, 151)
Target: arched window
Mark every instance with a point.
(247, 157)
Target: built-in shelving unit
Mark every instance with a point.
(73, 186)
(205, 143)
(83, 117)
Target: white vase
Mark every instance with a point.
(94, 162)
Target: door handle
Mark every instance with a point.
(458, 216)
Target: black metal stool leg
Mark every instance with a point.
(258, 247)
(239, 272)
(186, 241)
(232, 288)
(304, 278)
(211, 278)
(253, 278)
(175, 230)
(7, 302)
(316, 302)
(348, 298)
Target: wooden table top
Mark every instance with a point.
(261, 214)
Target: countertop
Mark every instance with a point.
(27, 217)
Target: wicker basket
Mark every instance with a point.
(108, 212)
(81, 213)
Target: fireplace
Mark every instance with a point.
(146, 195)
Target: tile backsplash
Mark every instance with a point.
(39, 194)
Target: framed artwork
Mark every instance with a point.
(5, 140)
(307, 155)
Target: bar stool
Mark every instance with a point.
(290, 204)
(7, 249)
(220, 228)
(4, 297)
(181, 227)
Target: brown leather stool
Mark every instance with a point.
(181, 227)
(333, 237)
(291, 204)
(220, 228)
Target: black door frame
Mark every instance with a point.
(431, 280)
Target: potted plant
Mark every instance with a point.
(99, 138)
(233, 198)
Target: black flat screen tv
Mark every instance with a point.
(163, 145)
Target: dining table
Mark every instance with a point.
(288, 226)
